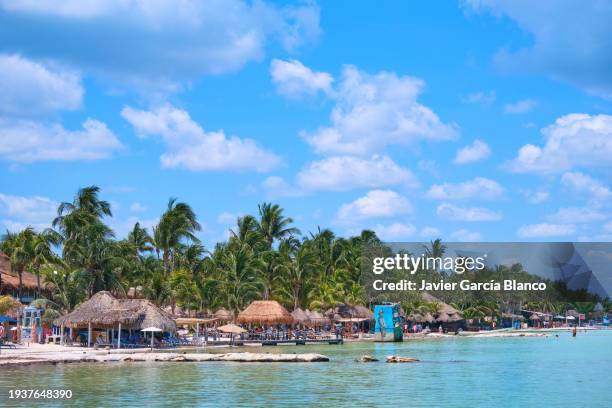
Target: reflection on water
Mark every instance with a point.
(453, 372)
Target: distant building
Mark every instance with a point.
(10, 282)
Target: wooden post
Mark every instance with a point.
(62, 335)
(119, 337)
(89, 334)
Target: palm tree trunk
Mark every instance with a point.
(20, 273)
(38, 284)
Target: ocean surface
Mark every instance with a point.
(457, 372)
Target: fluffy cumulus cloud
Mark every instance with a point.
(546, 230)
(394, 231)
(478, 188)
(431, 232)
(465, 235)
(593, 190)
(569, 41)
(293, 79)
(17, 212)
(156, 41)
(469, 214)
(477, 151)
(138, 207)
(574, 140)
(576, 215)
(342, 173)
(189, 146)
(523, 106)
(535, 196)
(373, 111)
(480, 97)
(375, 204)
(26, 141)
(29, 88)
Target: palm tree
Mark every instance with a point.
(273, 224)
(140, 239)
(436, 249)
(298, 267)
(43, 252)
(19, 247)
(178, 223)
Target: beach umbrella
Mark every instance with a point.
(570, 317)
(152, 330)
(231, 328)
(559, 317)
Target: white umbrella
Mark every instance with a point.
(559, 317)
(570, 317)
(152, 330)
(13, 328)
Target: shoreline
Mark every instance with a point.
(56, 354)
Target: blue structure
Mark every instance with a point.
(388, 326)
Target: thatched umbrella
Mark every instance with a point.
(231, 328)
(88, 311)
(224, 315)
(534, 317)
(265, 312)
(299, 316)
(361, 312)
(316, 318)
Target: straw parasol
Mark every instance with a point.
(534, 317)
(103, 310)
(316, 318)
(265, 312)
(299, 316)
(224, 315)
(231, 328)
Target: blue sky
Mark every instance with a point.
(470, 120)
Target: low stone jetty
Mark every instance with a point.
(97, 357)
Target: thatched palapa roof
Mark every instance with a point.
(224, 315)
(265, 312)
(105, 311)
(10, 278)
(447, 312)
(299, 316)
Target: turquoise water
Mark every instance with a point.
(457, 372)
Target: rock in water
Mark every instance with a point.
(366, 359)
(398, 359)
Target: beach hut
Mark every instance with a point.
(224, 315)
(265, 312)
(300, 317)
(104, 311)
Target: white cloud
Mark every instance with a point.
(18, 212)
(536, 197)
(523, 106)
(464, 235)
(26, 141)
(546, 230)
(478, 188)
(157, 42)
(469, 214)
(276, 186)
(431, 232)
(480, 97)
(574, 140)
(137, 207)
(394, 231)
(29, 88)
(373, 111)
(293, 79)
(575, 215)
(341, 173)
(569, 41)
(227, 218)
(189, 146)
(579, 182)
(375, 204)
(478, 150)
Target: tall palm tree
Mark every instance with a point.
(19, 247)
(273, 224)
(43, 252)
(140, 239)
(178, 223)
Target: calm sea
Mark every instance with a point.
(458, 372)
